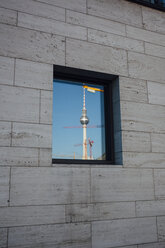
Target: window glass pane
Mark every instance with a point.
(78, 121)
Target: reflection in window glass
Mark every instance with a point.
(78, 121)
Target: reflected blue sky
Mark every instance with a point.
(67, 110)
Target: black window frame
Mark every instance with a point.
(149, 4)
(86, 76)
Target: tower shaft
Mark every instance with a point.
(84, 121)
(85, 142)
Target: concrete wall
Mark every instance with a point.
(73, 206)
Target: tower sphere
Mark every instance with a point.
(84, 120)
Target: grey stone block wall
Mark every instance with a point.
(81, 206)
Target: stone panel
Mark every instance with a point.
(134, 90)
(4, 186)
(146, 67)
(150, 208)
(95, 23)
(3, 237)
(18, 156)
(49, 186)
(114, 233)
(19, 104)
(158, 142)
(5, 133)
(6, 70)
(8, 16)
(77, 5)
(117, 10)
(45, 157)
(31, 135)
(84, 55)
(144, 35)
(161, 228)
(31, 215)
(35, 8)
(51, 26)
(136, 141)
(99, 211)
(115, 41)
(46, 107)
(156, 93)
(154, 20)
(155, 50)
(159, 175)
(51, 236)
(32, 45)
(34, 75)
(144, 160)
(142, 117)
(112, 184)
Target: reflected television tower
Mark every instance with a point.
(84, 120)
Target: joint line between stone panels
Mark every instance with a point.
(65, 216)
(26, 87)
(9, 187)
(65, 16)
(39, 157)
(25, 122)
(11, 134)
(39, 106)
(127, 64)
(87, 6)
(153, 176)
(14, 72)
(40, 62)
(150, 142)
(91, 229)
(35, 225)
(157, 228)
(144, 44)
(90, 233)
(144, 102)
(88, 35)
(17, 20)
(136, 209)
(7, 241)
(148, 93)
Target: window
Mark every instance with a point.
(156, 4)
(82, 116)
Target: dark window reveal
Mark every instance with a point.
(82, 116)
(156, 4)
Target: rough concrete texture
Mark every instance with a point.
(81, 206)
